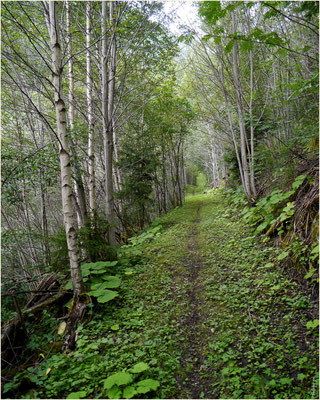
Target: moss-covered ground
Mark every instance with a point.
(208, 308)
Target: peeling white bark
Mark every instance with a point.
(65, 168)
(91, 164)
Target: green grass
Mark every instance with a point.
(206, 303)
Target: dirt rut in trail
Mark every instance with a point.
(192, 385)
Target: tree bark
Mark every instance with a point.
(65, 168)
(82, 214)
(91, 166)
(234, 141)
(251, 164)
(243, 134)
(107, 114)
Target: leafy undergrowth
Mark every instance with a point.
(203, 310)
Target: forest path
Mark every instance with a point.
(206, 306)
(229, 322)
(191, 382)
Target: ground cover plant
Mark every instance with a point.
(207, 312)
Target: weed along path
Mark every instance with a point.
(224, 321)
(204, 312)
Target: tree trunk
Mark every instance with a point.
(43, 192)
(234, 141)
(243, 134)
(82, 214)
(91, 166)
(107, 115)
(251, 164)
(65, 168)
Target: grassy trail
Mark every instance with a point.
(208, 309)
(239, 323)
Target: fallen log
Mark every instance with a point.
(11, 329)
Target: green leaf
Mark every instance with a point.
(269, 265)
(114, 393)
(142, 389)
(298, 181)
(246, 45)
(108, 295)
(115, 327)
(301, 377)
(97, 293)
(129, 392)
(283, 255)
(77, 395)
(262, 227)
(312, 324)
(141, 366)
(128, 271)
(112, 282)
(85, 270)
(285, 381)
(272, 383)
(205, 38)
(275, 199)
(310, 273)
(146, 385)
(120, 378)
(99, 286)
(229, 46)
(69, 285)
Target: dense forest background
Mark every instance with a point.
(110, 119)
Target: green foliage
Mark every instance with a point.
(92, 239)
(212, 11)
(236, 198)
(113, 383)
(130, 254)
(272, 210)
(94, 275)
(252, 320)
(120, 378)
(312, 324)
(59, 253)
(77, 395)
(273, 215)
(139, 166)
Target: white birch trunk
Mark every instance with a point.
(78, 184)
(91, 164)
(65, 169)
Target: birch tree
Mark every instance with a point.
(80, 197)
(64, 153)
(91, 148)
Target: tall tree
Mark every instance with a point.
(107, 84)
(64, 152)
(91, 147)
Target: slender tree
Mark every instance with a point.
(91, 148)
(64, 153)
